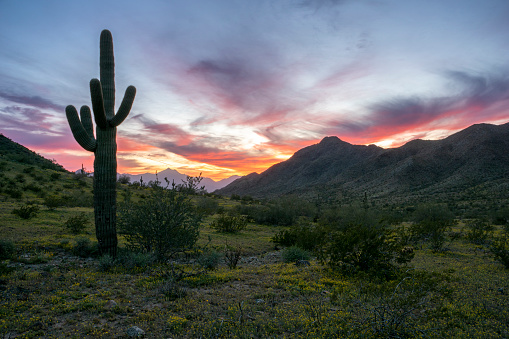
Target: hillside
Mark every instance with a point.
(476, 157)
(12, 151)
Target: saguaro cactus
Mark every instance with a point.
(104, 144)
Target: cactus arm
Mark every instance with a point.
(98, 103)
(86, 121)
(125, 107)
(107, 72)
(78, 131)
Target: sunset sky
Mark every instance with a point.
(230, 87)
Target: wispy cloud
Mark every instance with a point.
(33, 101)
(481, 97)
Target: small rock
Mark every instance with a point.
(259, 301)
(110, 304)
(303, 263)
(501, 290)
(135, 331)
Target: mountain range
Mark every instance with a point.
(177, 177)
(472, 161)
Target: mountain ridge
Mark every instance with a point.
(473, 156)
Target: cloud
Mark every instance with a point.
(317, 4)
(482, 90)
(481, 98)
(162, 131)
(33, 101)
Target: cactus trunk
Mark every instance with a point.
(104, 145)
(105, 195)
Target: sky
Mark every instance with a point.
(230, 87)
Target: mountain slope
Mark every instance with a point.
(474, 156)
(12, 151)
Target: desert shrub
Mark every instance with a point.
(32, 187)
(26, 211)
(106, 263)
(294, 254)
(164, 223)
(124, 179)
(53, 201)
(84, 248)
(7, 249)
(478, 231)
(284, 211)
(131, 260)
(402, 307)
(14, 193)
(358, 242)
(431, 222)
(229, 223)
(209, 259)
(232, 256)
(77, 198)
(55, 176)
(500, 250)
(501, 216)
(77, 223)
(304, 235)
(190, 186)
(246, 199)
(29, 169)
(207, 206)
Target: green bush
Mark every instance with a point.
(232, 256)
(77, 198)
(294, 254)
(280, 212)
(131, 260)
(106, 263)
(209, 259)
(229, 223)
(14, 192)
(53, 201)
(431, 221)
(304, 235)
(207, 206)
(83, 247)
(478, 231)
(26, 211)
(398, 308)
(500, 250)
(358, 242)
(55, 175)
(77, 223)
(164, 223)
(7, 249)
(124, 179)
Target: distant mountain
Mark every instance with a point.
(477, 156)
(173, 175)
(12, 151)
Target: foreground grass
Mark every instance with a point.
(48, 292)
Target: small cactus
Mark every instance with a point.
(104, 144)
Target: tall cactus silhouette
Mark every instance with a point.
(104, 144)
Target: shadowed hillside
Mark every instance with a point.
(477, 157)
(12, 151)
